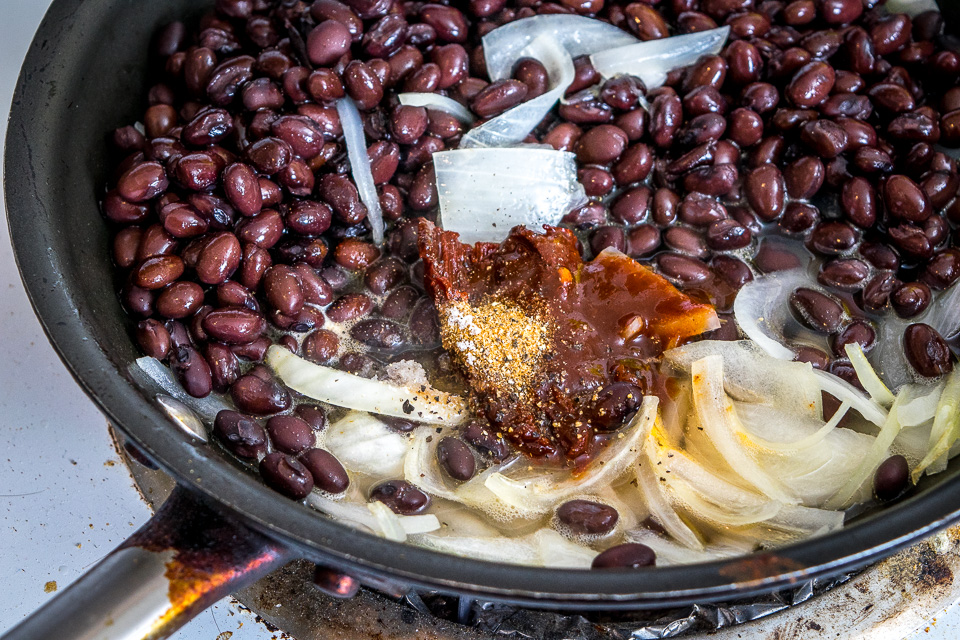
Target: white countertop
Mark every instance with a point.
(65, 497)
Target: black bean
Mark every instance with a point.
(456, 458)
(191, 370)
(844, 273)
(630, 555)
(927, 351)
(585, 517)
(942, 270)
(817, 358)
(290, 434)
(286, 475)
(683, 269)
(402, 497)
(321, 346)
(816, 310)
(891, 478)
(725, 235)
(910, 299)
(378, 333)
(833, 238)
(349, 307)
(857, 332)
(485, 441)
(153, 338)
(258, 396)
(799, 217)
(242, 435)
(328, 474)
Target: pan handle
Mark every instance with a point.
(179, 563)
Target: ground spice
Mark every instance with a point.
(500, 346)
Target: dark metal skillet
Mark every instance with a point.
(223, 528)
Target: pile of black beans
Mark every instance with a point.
(237, 224)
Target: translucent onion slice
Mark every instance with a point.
(721, 514)
(438, 102)
(754, 417)
(512, 126)
(207, 408)
(652, 60)
(661, 509)
(540, 494)
(868, 377)
(919, 404)
(344, 389)
(670, 553)
(356, 141)
(387, 520)
(503, 47)
(942, 313)
(911, 7)
(720, 423)
(846, 392)
(366, 445)
(808, 520)
(486, 192)
(946, 427)
(864, 471)
(762, 306)
(751, 375)
(543, 548)
(814, 473)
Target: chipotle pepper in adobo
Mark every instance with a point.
(555, 349)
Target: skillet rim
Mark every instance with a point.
(33, 205)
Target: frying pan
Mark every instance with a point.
(84, 76)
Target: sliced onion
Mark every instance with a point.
(721, 514)
(919, 404)
(807, 520)
(207, 408)
(942, 313)
(946, 427)
(661, 509)
(755, 417)
(720, 423)
(366, 445)
(543, 548)
(387, 521)
(514, 125)
(862, 473)
(344, 389)
(750, 375)
(670, 553)
(652, 60)
(846, 392)
(762, 306)
(486, 192)
(503, 47)
(911, 7)
(812, 473)
(869, 379)
(356, 141)
(438, 102)
(542, 493)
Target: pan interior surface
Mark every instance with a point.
(85, 76)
